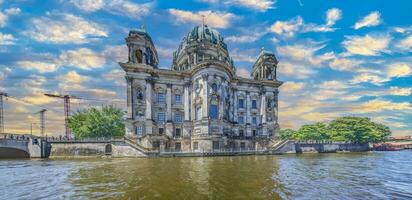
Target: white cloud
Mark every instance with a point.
(394, 70)
(6, 39)
(72, 77)
(247, 38)
(88, 5)
(82, 58)
(292, 87)
(4, 16)
(295, 70)
(248, 55)
(378, 105)
(373, 19)
(344, 64)
(259, 5)
(64, 29)
(214, 19)
(117, 7)
(367, 45)
(305, 53)
(296, 25)
(40, 66)
(333, 15)
(243, 72)
(397, 91)
(405, 44)
(287, 28)
(399, 70)
(116, 53)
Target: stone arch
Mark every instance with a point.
(139, 56)
(6, 152)
(108, 149)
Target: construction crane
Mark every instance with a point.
(66, 99)
(2, 94)
(42, 121)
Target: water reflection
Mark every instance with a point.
(379, 175)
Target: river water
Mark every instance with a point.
(372, 175)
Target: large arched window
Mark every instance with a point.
(139, 56)
(214, 109)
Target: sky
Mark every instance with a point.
(336, 58)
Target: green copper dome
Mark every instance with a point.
(201, 34)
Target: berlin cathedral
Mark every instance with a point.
(199, 104)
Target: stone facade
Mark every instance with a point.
(200, 104)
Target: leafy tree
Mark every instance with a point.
(353, 129)
(97, 122)
(287, 134)
(316, 131)
(358, 129)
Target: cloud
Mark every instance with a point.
(305, 53)
(367, 45)
(373, 19)
(259, 5)
(292, 87)
(247, 38)
(405, 44)
(6, 39)
(379, 105)
(64, 29)
(295, 70)
(396, 91)
(333, 15)
(72, 77)
(40, 66)
(394, 70)
(4, 16)
(214, 19)
(116, 7)
(82, 58)
(344, 64)
(243, 72)
(296, 25)
(334, 85)
(287, 28)
(399, 70)
(248, 55)
(88, 5)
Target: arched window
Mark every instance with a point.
(214, 109)
(214, 87)
(139, 56)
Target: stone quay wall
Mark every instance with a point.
(329, 147)
(93, 149)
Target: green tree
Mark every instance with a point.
(287, 134)
(316, 131)
(97, 122)
(358, 129)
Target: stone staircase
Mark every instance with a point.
(278, 144)
(139, 147)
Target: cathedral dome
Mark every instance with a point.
(206, 43)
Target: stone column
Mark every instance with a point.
(235, 105)
(148, 99)
(186, 102)
(169, 103)
(129, 81)
(248, 107)
(205, 108)
(263, 107)
(148, 126)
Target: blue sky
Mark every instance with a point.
(337, 58)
